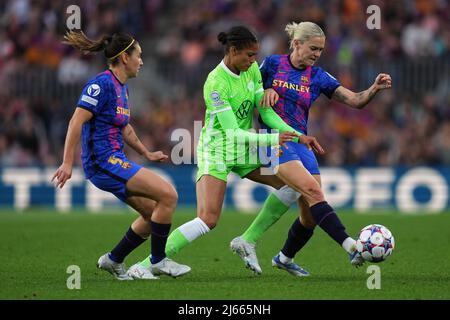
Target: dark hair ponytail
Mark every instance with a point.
(112, 45)
(239, 36)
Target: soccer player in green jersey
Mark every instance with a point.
(231, 92)
(293, 83)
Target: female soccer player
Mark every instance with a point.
(102, 120)
(231, 92)
(293, 84)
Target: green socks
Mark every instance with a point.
(275, 206)
(181, 237)
(270, 213)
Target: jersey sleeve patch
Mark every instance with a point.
(216, 100)
(89, 100)
(220, 110)
(93, 90)
(94, 95)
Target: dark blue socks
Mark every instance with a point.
(160, 232)
(326, 218)
(298, 236)
(128, 243)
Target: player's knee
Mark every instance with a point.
(146, 215)
(169, 196)
(173, 196)
(314, 194)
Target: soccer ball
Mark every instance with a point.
(375, 243)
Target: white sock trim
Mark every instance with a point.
(349, 245)
(193, 229)
(284, 259)
(204, 226)
(287, 195)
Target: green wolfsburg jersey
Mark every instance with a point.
(224, 90)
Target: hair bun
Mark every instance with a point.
(222, 37)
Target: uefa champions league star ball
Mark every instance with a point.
(375, 243)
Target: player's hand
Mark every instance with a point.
(269, 99)
(156, 156)
(311, 143)
(286, 137)
(383, 81)
(63, 174)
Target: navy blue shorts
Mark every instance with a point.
(113, 174)
(300, 152)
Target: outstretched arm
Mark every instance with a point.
(130, 137)
(228, 122)
(273, 120)
(360, 99)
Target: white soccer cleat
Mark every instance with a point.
(137, 271)
(169, 267)
(116, 269)
(356, 259)
(247, 252)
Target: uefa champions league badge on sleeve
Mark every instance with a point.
(215, 97)
(93, 90)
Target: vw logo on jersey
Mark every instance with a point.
(93, 90)
(244, 109)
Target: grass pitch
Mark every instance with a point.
(38, 246)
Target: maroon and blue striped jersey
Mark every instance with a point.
(297, 88)
(107, 99)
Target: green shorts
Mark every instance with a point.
(219, 167)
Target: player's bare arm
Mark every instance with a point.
(359, 100)
(64, 172)
(270, 98)
(130, 137)
(312, 143)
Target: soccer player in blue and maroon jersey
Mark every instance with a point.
(292, 84)
(101, 119)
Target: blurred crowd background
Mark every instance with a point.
(41, 79)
